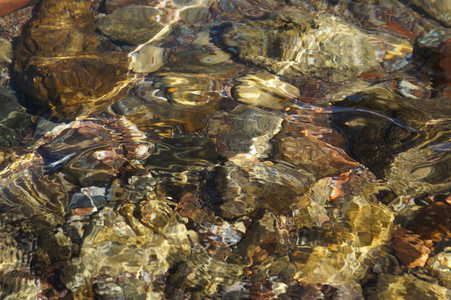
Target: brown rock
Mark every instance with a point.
(445, 50)
(314, 147)
(9, 6)
(392, 287)
(433, 223)
(409, 249)
(58, 64)
(314, 155)
(445, 63)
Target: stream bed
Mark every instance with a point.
(225, 149)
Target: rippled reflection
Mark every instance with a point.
(225, 149)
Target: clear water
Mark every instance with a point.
(233, 149)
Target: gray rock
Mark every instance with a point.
(292, 43)
(132, 25)
(14, 121)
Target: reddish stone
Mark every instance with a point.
(445, 63)
(189, 204)
(409, 249)
(9, 6)
(399, 29)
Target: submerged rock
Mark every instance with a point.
(219, 180)
(308, 141)
(22, 175)
(188, 89)
(421, 170)
(331, 258)
(314, 155)
(129, 259)
(147, 59)
(16, 279)
(204, 275)
(111, 5)
(133, 25)
(409, 249)
(180, 99)
(392, 287)
(244, 130)
(395, 53)
(37, 202)
(264, 90)
(182, 153)
(58, 64)
(292, 43)
(433, 223)
(437, 9)
(377, 123)
(14, 121)
(6, 51)
(440, 266)
(444, 50)
(245, 9)
(94, 151)
(247, 185)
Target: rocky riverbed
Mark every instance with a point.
(225, 149)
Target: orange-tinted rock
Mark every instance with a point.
(315, 155)
(91, 152)
(409, 249)
(433, 222)
(307, 141)
(9, 6)
(191, 207)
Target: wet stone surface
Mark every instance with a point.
(133, 25)
(225, 149)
